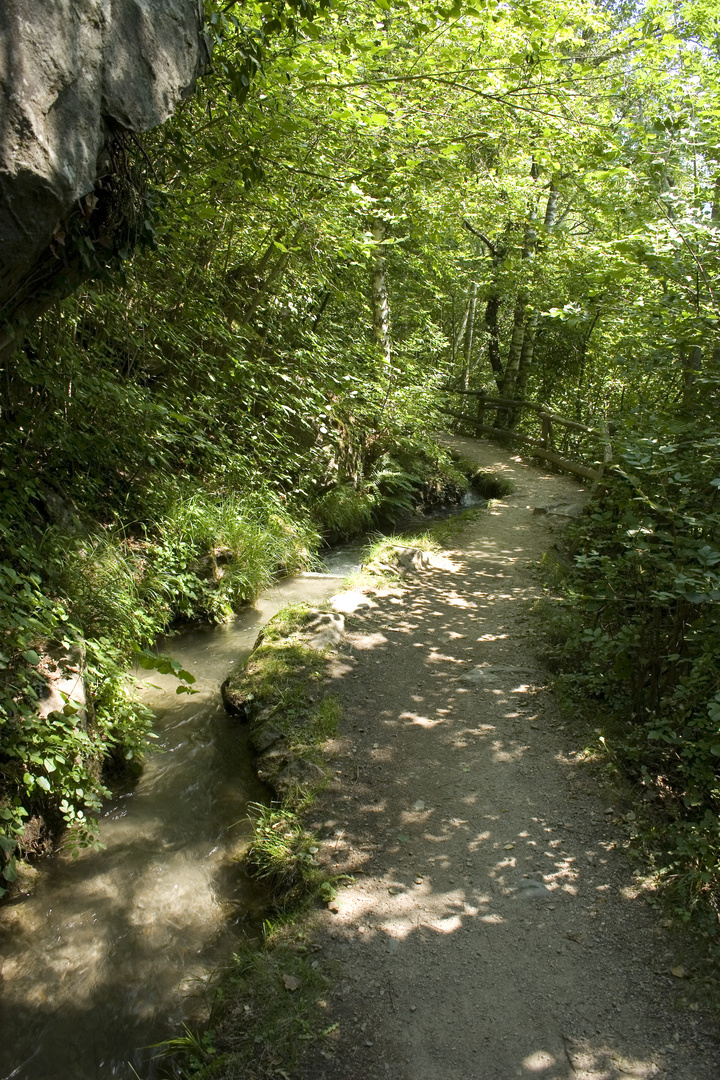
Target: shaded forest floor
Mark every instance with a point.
(495, 927)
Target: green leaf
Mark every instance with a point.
(10, 870)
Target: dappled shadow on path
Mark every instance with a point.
(492, 930)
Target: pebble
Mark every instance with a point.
(531, 888)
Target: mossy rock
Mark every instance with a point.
(490, 485)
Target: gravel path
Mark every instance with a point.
(494, 928)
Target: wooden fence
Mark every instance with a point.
(542, 447)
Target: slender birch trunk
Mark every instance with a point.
(492, 309)
(460, 336)
(380, 296)
(469, 335)
(516, 345)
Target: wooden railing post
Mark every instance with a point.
(543, 447)
(481, 409)
(546, 437)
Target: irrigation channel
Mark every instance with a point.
(112, 950)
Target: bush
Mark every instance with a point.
(107, 595)
(637, 634)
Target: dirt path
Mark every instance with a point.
(494, 928)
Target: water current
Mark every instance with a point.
(112, 950)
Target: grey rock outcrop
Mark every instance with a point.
(74, 74)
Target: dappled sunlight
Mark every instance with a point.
(445, 825)
(484, 892)
(423, 721)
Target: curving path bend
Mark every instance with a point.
(495, 928)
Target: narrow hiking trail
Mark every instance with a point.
(494, 928)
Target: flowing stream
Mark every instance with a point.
(112, 950)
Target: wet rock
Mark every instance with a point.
(60, 510)
(271, 763)
(234, 697)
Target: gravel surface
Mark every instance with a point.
(494, 928)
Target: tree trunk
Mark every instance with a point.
(469, 335)
(515, 351)
(522, 357)
(460, 336)
(491, 325)
(691, 361)
(526, 358)
(380, 297)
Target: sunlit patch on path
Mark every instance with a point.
(491, 930)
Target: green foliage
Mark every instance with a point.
(342, 511)
(107, 595)
(414, 475)
(213, 554)
(53, 766)
(172, 438)
(258, 1025)
(637, 634)
(281, 855)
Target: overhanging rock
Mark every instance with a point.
(72, 73)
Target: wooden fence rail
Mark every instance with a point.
(541, 447)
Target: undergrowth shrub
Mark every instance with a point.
(636, 636)
(213, 554)
(106, 595)
(270, 1004)
(282, 856)
(414, 475)
(343, 511)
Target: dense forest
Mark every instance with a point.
(364, 208)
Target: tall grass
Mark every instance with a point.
(104, 594)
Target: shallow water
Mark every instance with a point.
(113, 949)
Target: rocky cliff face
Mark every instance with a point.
(76, 76)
